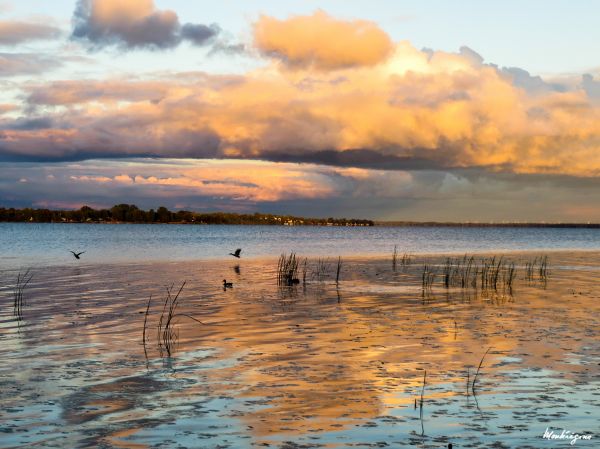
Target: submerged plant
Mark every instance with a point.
(491, 273)
(23, 280)
(478, 368)
(287, 270)
(427, 277)
(339, 269)
(322, 269)
(167, 333)
(537, 269)
(405, 260)
(304, 270)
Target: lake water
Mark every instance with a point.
(316, 365)
(324, 363)
(49, 244)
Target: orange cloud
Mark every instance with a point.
(406, 108)
(322, 42)
(241, 180)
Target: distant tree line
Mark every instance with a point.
(129, 213)
(472, 224)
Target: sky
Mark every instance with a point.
(387, 109)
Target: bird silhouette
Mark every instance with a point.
(227, 285)
(236, 253)
(76, 255)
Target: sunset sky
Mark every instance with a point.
(382, 109)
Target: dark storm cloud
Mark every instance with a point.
(98, 141)
(364, 158)
(135, 24)
(28, 124)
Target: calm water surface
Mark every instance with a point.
(44, 244)
(316, 365)
(311, 366)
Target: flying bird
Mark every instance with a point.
(227, 285)
(236, 253)
(76, 255)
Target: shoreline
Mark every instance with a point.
(383, 224)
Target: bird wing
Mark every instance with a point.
(238, 251)
(79, 254)
(72, 252)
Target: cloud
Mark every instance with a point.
(302, 189)
(7, 107)
(591, 86)
(236, 181)
(135, 24)
(13, 32)
(28, 124)
(84, 91)
(413, 110)
(532, 84)
(199, 34)
(322, 42)
(15, 64)
(5, 7)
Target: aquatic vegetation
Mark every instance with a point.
(145, 323)
(339, 268)
(490, 273)
(537, 269)
(23, 280)
(322, 269)
(421, 402)
(304, 270)
(167, 333)
(543, 268)
(404, 261)
(428, 277)
(422, 395)
(287, 269)
(478, 369)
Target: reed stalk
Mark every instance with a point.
(479, 368)
(23, 280)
